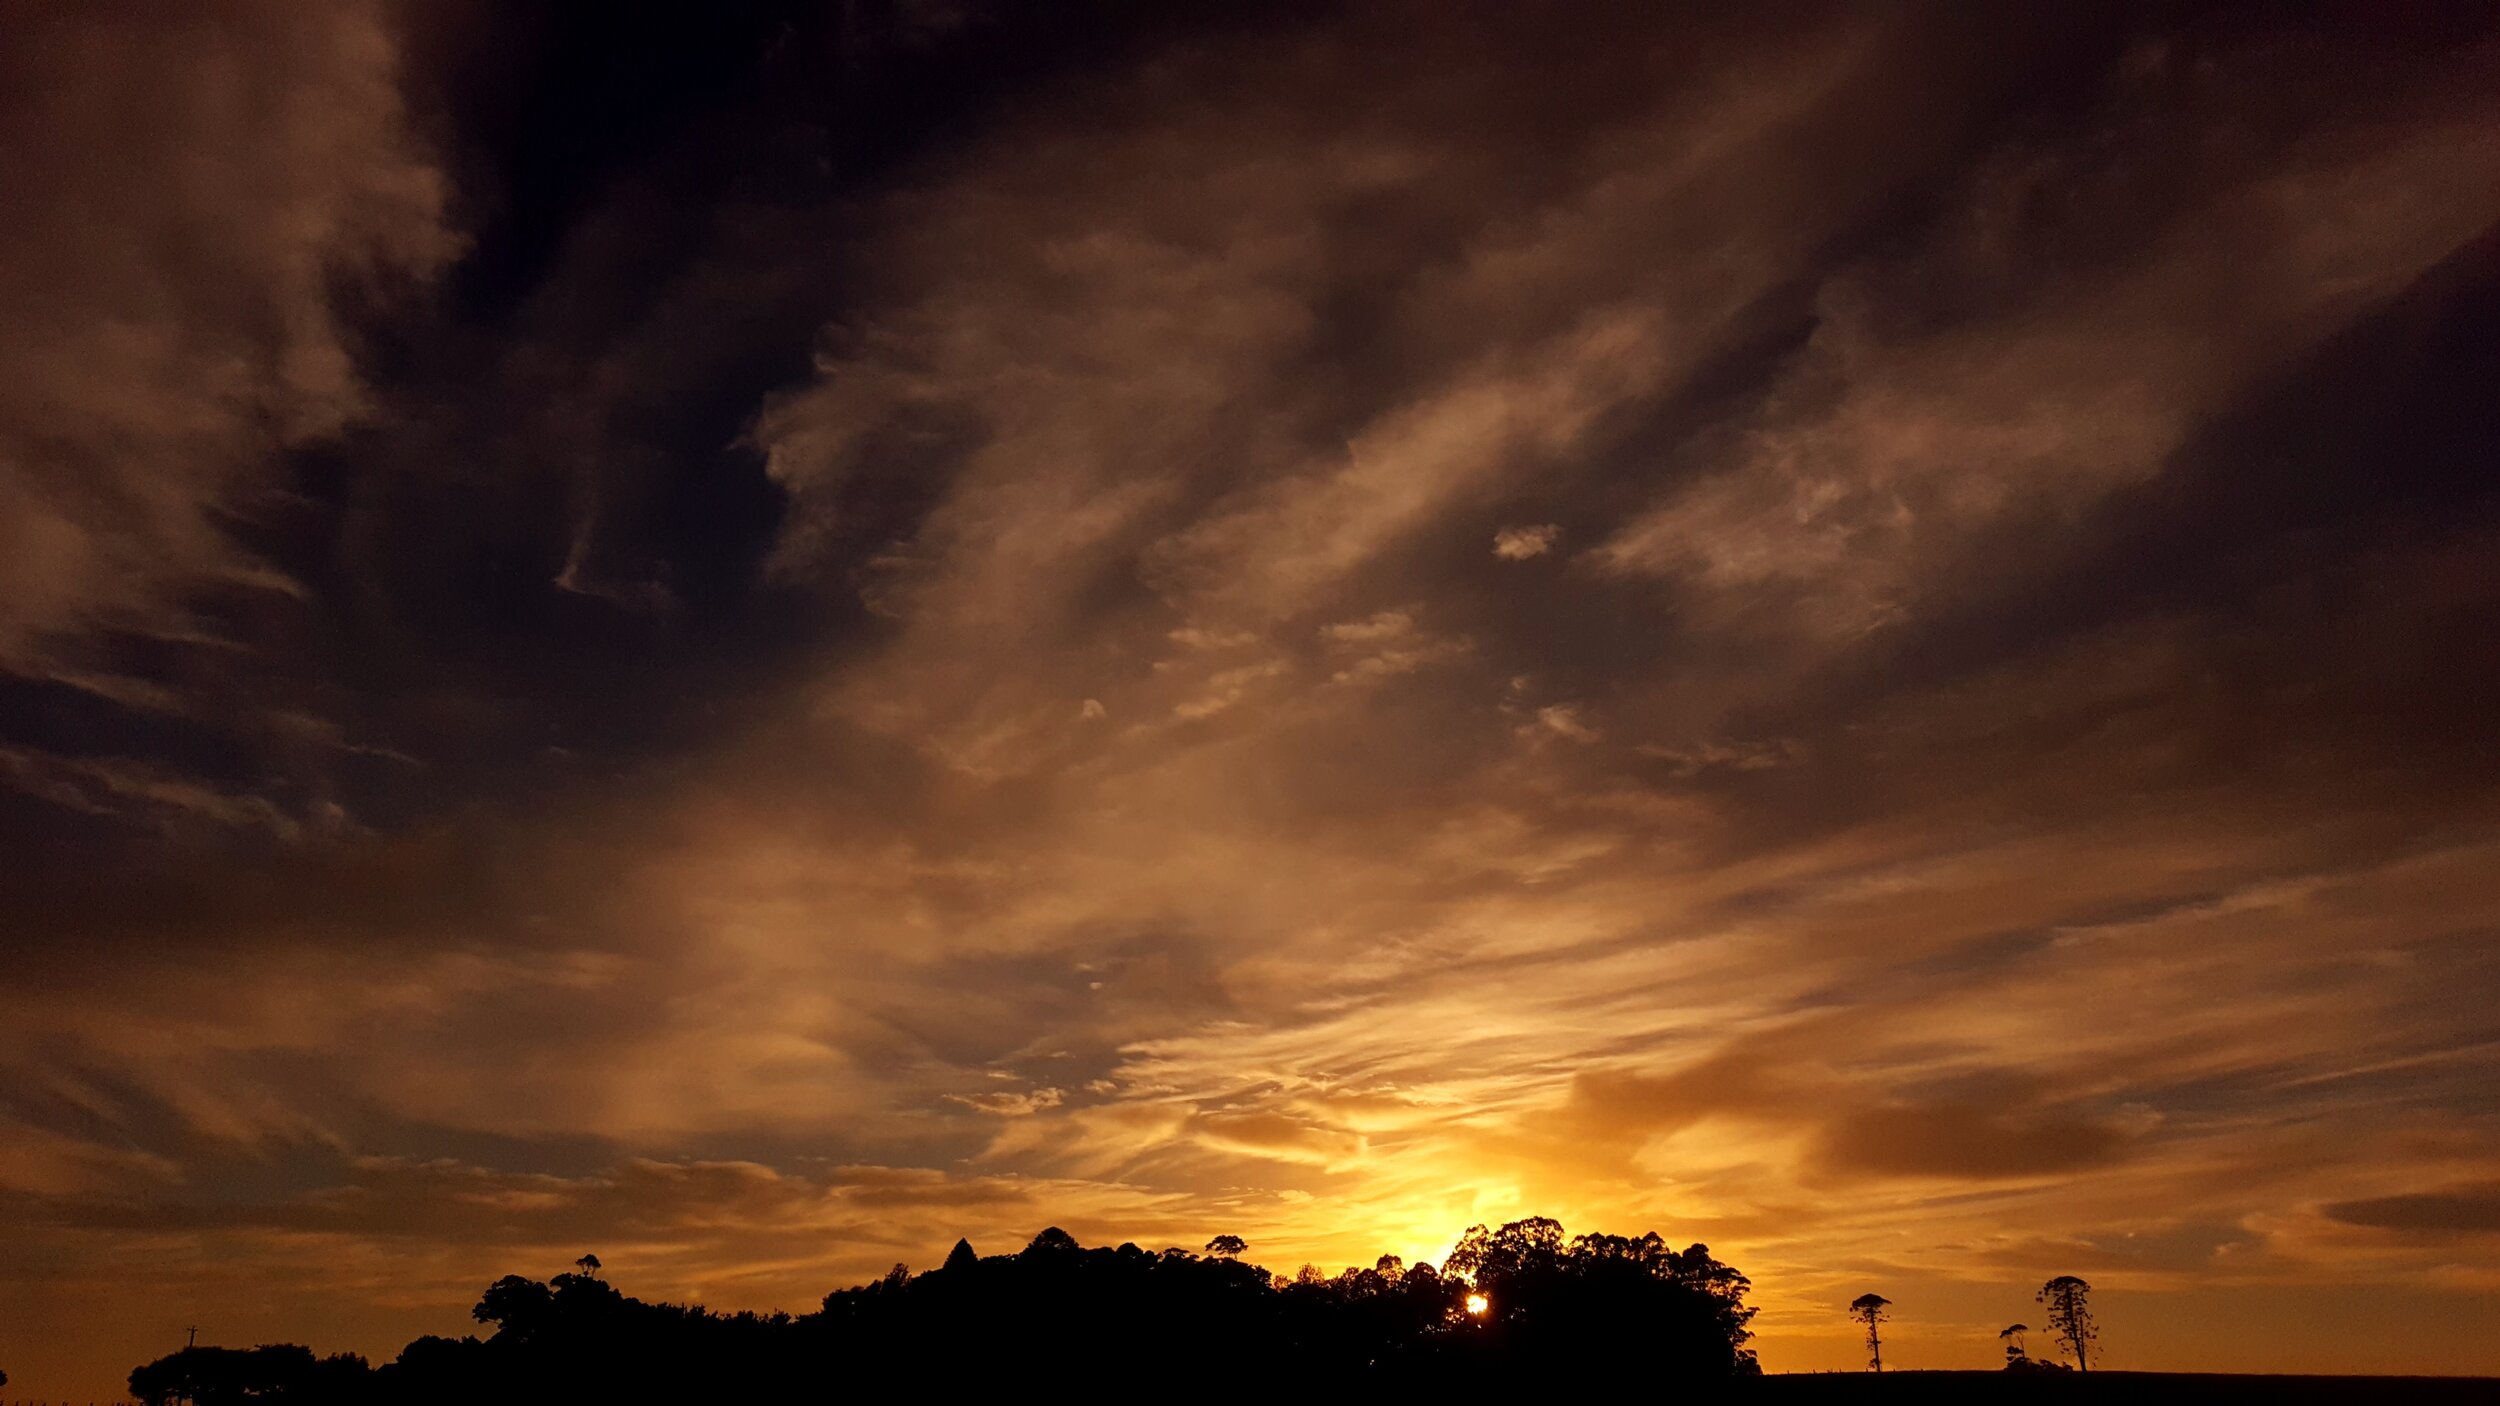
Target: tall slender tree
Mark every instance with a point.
(2068, 1300)
(1869, 1309)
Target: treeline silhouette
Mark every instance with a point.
(1512, 1304)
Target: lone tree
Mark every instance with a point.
(1051, 1242)
(1869, 1310)
(2012, 1337)
(2068, 1300)
(1227, 1246)
(588, 1265)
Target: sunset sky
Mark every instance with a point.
(1866, 634)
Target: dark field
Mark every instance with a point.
(1813, 1389)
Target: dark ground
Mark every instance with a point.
(1819, 1387)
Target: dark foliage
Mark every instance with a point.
(225, 1376)
(1631, 1305)
(1127, 1322)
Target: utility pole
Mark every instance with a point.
(193, 1340)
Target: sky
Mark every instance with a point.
(1865, 634)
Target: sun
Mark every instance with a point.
(1477, 1304)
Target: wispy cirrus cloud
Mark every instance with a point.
(189, 195)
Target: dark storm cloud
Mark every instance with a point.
(1967, 1143)
(1864, 631)
(2466, 1210)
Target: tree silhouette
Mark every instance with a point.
(588, 1265)
(2012, 1337)
(1520, 1246)
(521, 1307)
(1554, 1310)
(2070, 1317)
(1551, 1306)
(1869, 1310)
(222, 1376)
(1230, 1247)
(1052, 1241)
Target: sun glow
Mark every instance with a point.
(1477, 1304)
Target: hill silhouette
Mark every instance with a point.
(1512, 1304)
